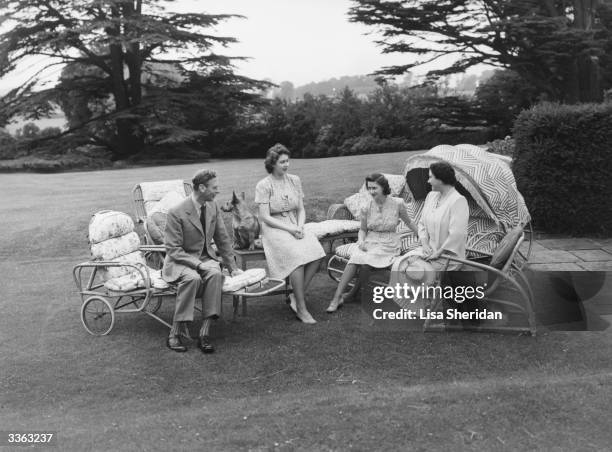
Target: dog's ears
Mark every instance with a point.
(235, 199)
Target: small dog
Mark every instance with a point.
(244, 223)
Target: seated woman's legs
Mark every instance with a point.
(297, 280)
(310, 269)
(337, 300)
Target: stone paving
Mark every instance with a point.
(571, 254)
(578, 254)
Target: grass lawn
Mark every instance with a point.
(274, 384)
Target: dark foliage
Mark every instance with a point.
(563, 166)
(560, 47)
(390, 119)
(502, 97)
(125, 67)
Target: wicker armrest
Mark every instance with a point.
(339, 212)
(153, 248)
(77, 271)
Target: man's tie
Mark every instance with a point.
(203, 219)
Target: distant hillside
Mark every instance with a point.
(361, 85)
(57, 119)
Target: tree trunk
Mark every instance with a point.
(588, 74)
(130, 138)
(590, 80)
(571, 93)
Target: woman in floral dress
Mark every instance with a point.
(290, 251)
(378, 242)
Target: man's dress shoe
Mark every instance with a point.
(205, 344)
(174, 343)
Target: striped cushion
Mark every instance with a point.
(489, 181)
(346, 251)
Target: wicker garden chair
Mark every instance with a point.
(147, 196)
(117, 278)
(496, 207)
(505, 286)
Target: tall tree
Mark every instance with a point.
(502, 97)
(557, 45)
(109, 44)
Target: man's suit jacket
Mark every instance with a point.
(184, 238)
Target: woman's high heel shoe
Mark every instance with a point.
(305, 318)
(293, 303)
(335, 305)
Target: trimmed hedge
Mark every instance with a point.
(563, 166)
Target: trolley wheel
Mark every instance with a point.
(97, 315)
(153, 305)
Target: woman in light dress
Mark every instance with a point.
(378, 243)
(444, 221)
(290, 251)
(442, 228)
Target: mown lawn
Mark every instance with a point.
(273, 383)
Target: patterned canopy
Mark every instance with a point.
(487, 178)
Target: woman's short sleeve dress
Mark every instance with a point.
(382, 240)
(284, 253)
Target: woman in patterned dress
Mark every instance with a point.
(290, 251)
(378, 243)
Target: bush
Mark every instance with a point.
(168, 154)
(372, 145)
(8, 145)
(459, 135)
(503, 96)
(46, 165)
(562, 164)
(502, 147)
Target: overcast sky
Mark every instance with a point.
(296, 40)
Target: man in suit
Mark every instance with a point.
(192, 263)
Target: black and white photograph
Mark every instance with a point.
(291, 225)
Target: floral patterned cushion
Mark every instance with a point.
(169, 200)
(115, 247)
(153, 192)
(156, 225)
(109, 224)
(250, 276)
(123, 283)
(357, 203)
(113, 238)
(332, 227)
(135, 258)
(408, 243)
(133, 281)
